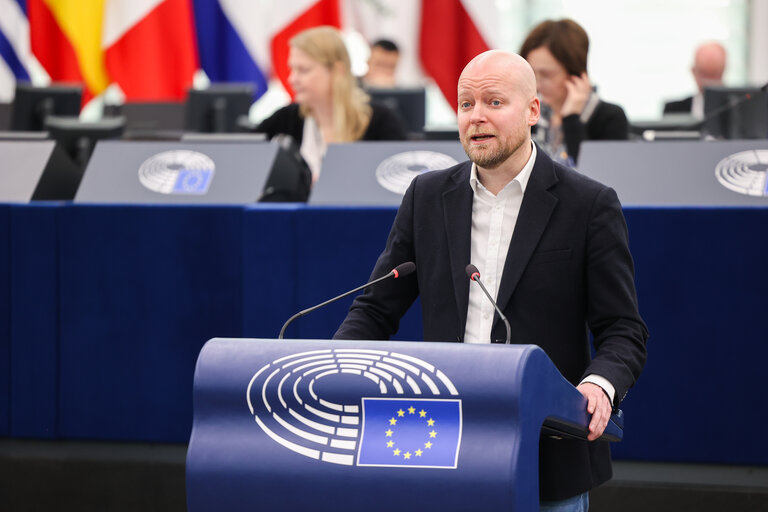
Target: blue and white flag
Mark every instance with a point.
(233, 42)
(15, 52)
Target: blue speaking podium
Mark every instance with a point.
(374, 426)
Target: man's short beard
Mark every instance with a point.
(493, 160)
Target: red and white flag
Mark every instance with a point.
(449, 40)
(293, 17)
(149, 48)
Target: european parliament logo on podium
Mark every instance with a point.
(404, 414)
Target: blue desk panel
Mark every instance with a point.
(5, 319)
(337, 249)
(34, 321)
(702, 281)
(269, 268)
(109, 307)
(142, 289)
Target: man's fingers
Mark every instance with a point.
(598, 423)
(598, 406)
(592, 405)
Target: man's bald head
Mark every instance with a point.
(508, 65)
(709, 64)
(496, 109)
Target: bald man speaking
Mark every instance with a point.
(552, 248)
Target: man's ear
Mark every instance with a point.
(534, 111)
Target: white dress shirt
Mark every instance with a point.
(494, 218)
(493, 221)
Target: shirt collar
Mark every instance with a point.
(522, 177)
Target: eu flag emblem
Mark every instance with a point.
(413, 433)
(193, 181)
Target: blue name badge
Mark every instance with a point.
(410, 433)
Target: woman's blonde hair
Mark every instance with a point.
(351, 105)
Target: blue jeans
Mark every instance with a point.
(578, 503)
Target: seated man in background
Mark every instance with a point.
(382, 64)
(708, 68)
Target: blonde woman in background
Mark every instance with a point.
(329, 105)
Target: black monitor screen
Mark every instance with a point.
(156, 119)
(31, 105)
(736, 112)
(5, 116)
(217, 109)
(409, 104)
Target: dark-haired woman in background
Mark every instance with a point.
(329, 105)
(571, 110)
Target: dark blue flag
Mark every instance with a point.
(410, 433)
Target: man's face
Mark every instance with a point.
(495, 115)
(708, 73)
(382, 66)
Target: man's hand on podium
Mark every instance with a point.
(598, 406)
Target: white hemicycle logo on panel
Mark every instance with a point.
(396, 172)
(404, 412)
(178, 172)
(745, 172)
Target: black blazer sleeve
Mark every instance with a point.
(612, 313)
(284, 121)
(679, 107)
(384, 125)
(608, 122)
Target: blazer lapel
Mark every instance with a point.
(535, 211)
(457, 211)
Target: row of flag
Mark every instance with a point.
(152, 49)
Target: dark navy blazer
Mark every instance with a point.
(568, 272)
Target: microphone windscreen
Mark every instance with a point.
(404, 269)
(471, 271)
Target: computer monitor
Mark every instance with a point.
(5, 116)
(32, 105)
(736, 112)
(151, 120)
(441, 134)
(75, 141)
(408, 103)
(218, 108)
(672, 126)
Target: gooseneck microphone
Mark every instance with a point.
(401, 270)
(474, 275)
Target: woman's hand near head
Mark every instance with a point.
(578, 90)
